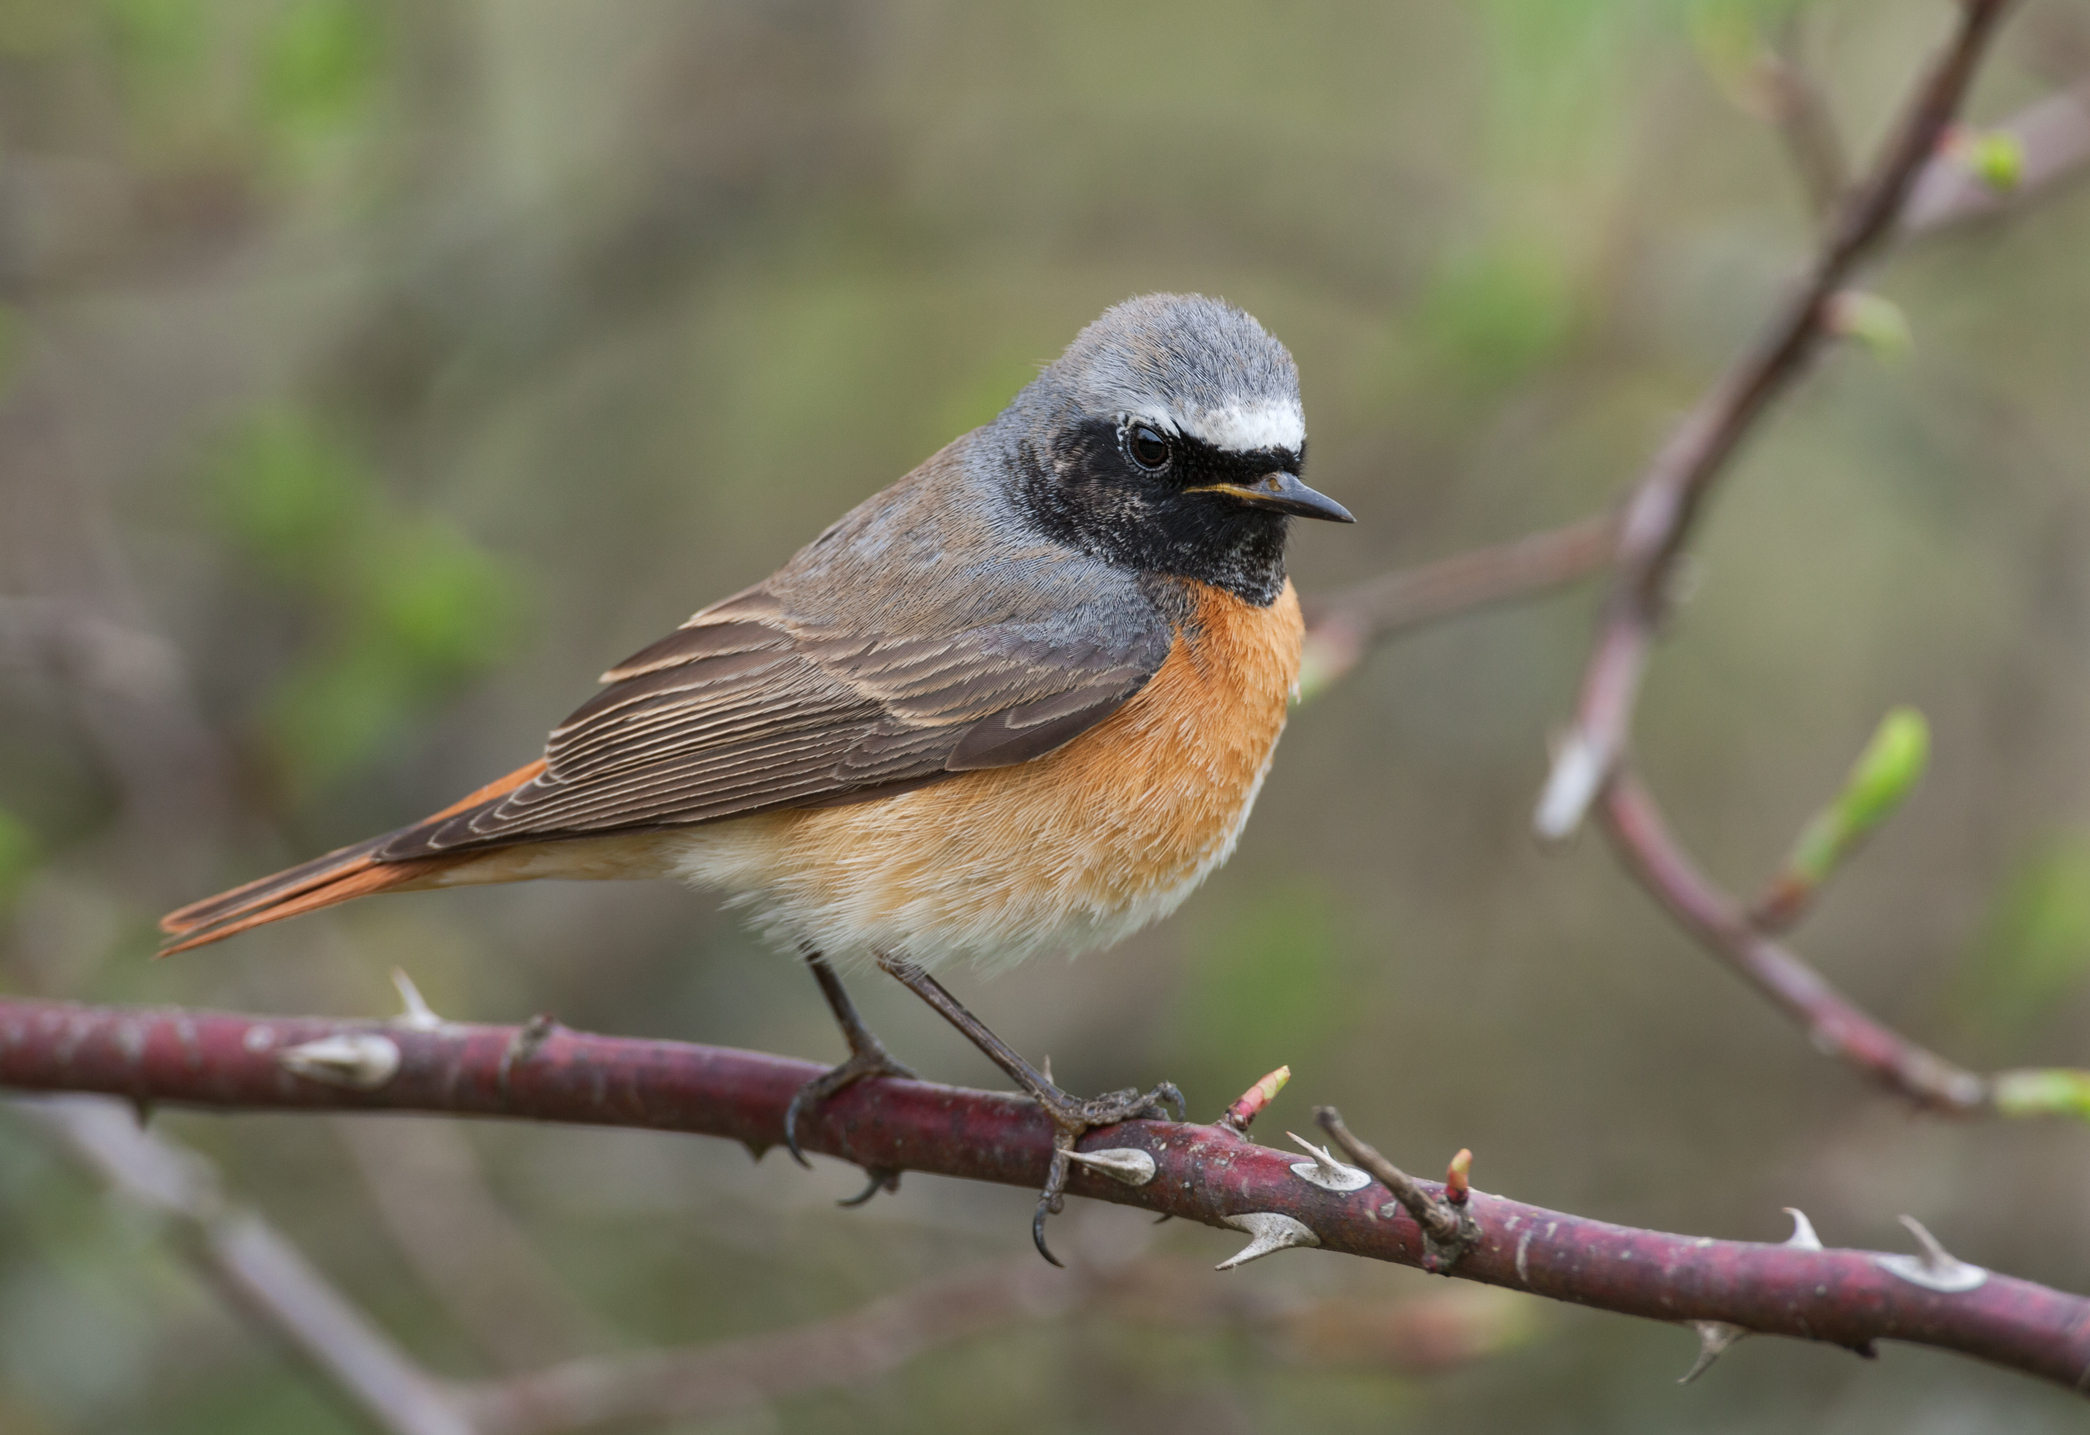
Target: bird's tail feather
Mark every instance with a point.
(341, 876)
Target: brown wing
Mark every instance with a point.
(741, 711)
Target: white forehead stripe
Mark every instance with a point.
(1240, 428)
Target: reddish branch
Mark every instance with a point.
(1203, 1173)
(1659, 516)
(1347, 622)
(1836, 1027)
(2053, 140)
(251, 1262)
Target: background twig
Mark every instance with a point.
(1659, 516)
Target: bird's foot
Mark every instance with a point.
(867, 1057)
(1073, 1118)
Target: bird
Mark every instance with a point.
(1022, 699)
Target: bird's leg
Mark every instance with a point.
(867, 1057)
(1071, 1117)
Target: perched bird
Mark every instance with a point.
(1022, 699)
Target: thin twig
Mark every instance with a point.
(1202, 1173)
(1801, 112)
(1660, 514)
(710, 1381)
(252, 1262)
(2055, 136)
(1345, 623)
(2053, 140)
(1835, 1026)
(1446, 1221)
(469, 1254)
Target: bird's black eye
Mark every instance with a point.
(1149, 449)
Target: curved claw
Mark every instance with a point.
(881, 1180)
(1037, 1231)
(867, 1059)
(1167, 1092)
(791, 1112)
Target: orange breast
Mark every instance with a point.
(1077, 848)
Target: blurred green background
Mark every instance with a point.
(374, 372)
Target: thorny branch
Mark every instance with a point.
(249, 1259)
(1448, 1227)
(1206, 1174)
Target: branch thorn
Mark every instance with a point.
(1269, 1232)
(360, 1061)
(1936, 1269)
(1448, 1227)
(417, 1016)
(1714, 1337)
(1802, 1237)
(1578, 771)
(1127, 1164)
(1324, 1170)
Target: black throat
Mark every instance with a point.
(1085, 493)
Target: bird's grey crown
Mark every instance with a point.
(1186, 363)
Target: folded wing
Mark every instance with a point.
(739, 712)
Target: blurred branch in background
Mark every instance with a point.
(469, 1254)
(257, 1268)
(1954, 186)
(1343, 625)
(132, 692)
(1945, 178)
(1208, 1174)
(1836, 1027)
(265, 1276)
(1989, 172)
(1790, 99)
(1412, 1336)
(1658, 518)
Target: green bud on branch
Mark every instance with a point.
(1885, 773)
(1995, 157)
(2052, 1091)
(1876, 323)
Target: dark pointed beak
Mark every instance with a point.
(1284, 493)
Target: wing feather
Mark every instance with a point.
(741, 711)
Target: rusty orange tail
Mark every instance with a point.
(341, 876)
